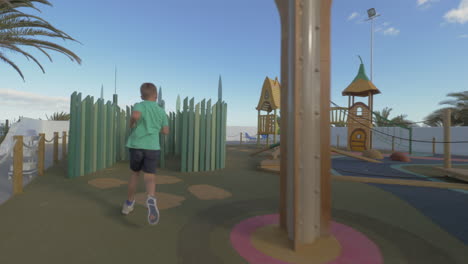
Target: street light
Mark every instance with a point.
(371, 13)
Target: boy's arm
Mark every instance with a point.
(165, 130)
(136, 115)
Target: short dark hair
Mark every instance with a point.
(147, 90)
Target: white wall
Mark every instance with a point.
(381, 141)
(32, 127)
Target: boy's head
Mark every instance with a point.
(148, 92)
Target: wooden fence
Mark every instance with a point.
(99, 131)
(198, 135)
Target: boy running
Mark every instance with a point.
(148, 120)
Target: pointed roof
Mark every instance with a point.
(361, 85)
(270, 98)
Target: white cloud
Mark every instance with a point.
(458, 15)
(463, 36)
(425, 3)
(391, 31)
(14, 103)
(353, 16)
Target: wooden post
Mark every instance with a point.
(64, 144)
(283, 203)
(258, 129)
(275, 128)
(393, 143)
(41, 155)
(18, 165)
(240, 138)
(433, 145)
(56, 140)
(447, 155)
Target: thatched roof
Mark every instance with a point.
(270, 98)
(361, 85)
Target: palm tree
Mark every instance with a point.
(401, 121)
(18, 30)
(459, 107)
(381, 117)
(59, 116)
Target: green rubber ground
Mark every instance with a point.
(57, 220)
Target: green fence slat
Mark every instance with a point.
(87, 157)
(219, 120)
(71, 133)
(184, 136)
(208, 137)
(202, 136)
(108, 137)
(101, 135)
(128, 129)
(191, 129)
(83, 136)
(223, 142)
(196, 135)
(94, 137)
(213, 137)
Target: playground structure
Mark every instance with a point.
(270, 100)
(360, 123)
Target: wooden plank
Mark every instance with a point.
(107, 136)
(219, 120)
(208, 137)
(94, 139)
(213, 137)
(56, 145)
(77, 137)
(458, 173)
(18, 165)
(202, 136)
(345, 153)
(100, 135)
(128, 129)
(191, 130)
(196, 134)
(417, 183)
(82, 140)
(223, 137)
(71, 147)
(184, 136)
(87, 150)
(325, 154)
(41, 157)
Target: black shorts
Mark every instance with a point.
(144, 160)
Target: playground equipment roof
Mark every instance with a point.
(270, 98)
(361, 85)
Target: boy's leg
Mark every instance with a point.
(136, 163)
(132, 185)
(151, 161)
(150, 183)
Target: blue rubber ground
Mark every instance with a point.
(447, 208)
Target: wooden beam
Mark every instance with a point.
(41, 154)
(417, 183)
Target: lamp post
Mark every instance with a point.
(371, 13)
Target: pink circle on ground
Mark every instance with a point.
(355, 247)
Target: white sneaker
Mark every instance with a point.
(153, 212)
(126, 209)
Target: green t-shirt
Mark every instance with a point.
(145, 135)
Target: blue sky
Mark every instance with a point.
(420, 53)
